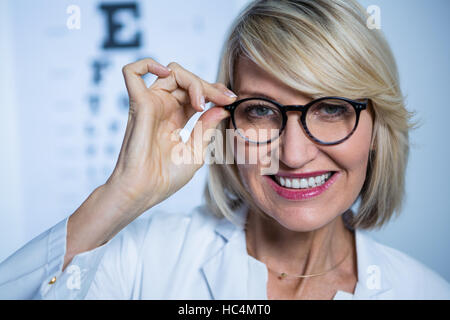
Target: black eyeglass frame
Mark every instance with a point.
(357, 105)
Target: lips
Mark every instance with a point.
(303, 183)
(302, 175)
(295, 189)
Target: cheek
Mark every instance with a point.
(249, 176)
(352, 155)
(253, 181)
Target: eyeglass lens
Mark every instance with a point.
(328, 120)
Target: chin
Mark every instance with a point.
(301, 220)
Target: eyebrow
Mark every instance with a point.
(255, 94)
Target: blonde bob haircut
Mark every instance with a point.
(322, 48)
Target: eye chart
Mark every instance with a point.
(67, 95)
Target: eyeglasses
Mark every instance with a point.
(327, 120)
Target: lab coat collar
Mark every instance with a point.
(231, 273)
(373, 280)
(246, 277)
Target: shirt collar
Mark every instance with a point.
(373, 278)
(233, 274)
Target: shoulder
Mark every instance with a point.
(408, 277)
(156, 244)
(163, 223)
(170, 230)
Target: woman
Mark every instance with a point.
(312, 87)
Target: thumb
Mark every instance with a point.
(203, 131)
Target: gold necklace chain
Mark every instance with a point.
(283, 275)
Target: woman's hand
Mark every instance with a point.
(147, 172)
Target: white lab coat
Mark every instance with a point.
(190, 256)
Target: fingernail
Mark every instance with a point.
(202, 103)
(230, 94)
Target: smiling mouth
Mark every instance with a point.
(302, 183)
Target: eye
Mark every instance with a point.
(259, 111)
(329, 111)
(333, 109)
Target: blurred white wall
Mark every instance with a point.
(62, 123)
(417, 31)
(12, 221)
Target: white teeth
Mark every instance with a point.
(288, 183)
(303, 183)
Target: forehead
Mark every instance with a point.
(248, 73)
(250, 79)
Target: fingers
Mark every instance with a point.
(133, 73)
(189, 90)
(197, 90)
(203, 131)
(204, 90)
(183, 97)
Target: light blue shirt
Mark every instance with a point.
(190, 256)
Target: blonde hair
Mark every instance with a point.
(323, 48)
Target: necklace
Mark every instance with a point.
(283, 275)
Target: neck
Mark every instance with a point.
(295, 253)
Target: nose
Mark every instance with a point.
(296, 149)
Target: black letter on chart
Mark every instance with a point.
(114, 26)
(98, 66)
